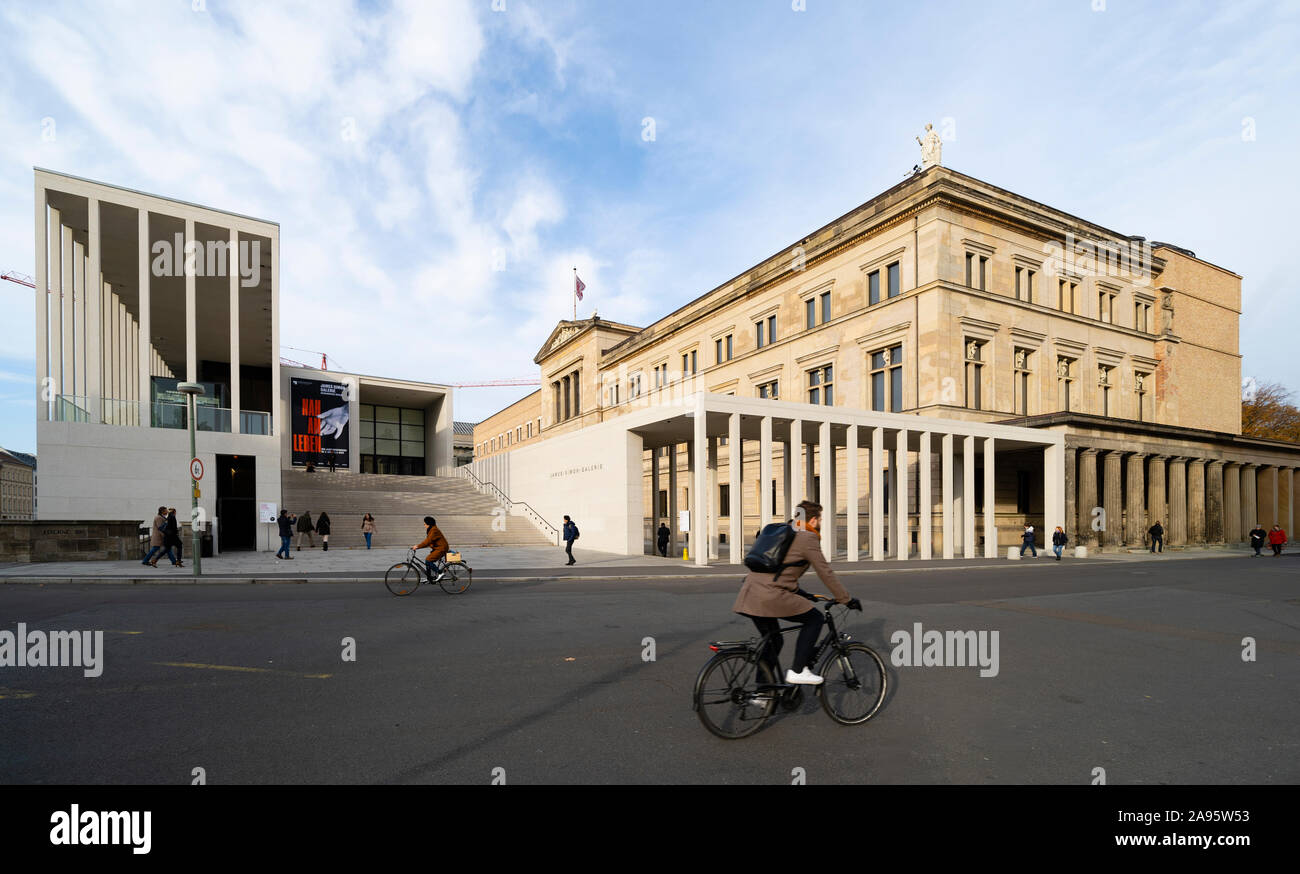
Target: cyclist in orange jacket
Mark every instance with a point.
(433, 538)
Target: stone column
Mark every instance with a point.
(700, 523)
(1114, 500)
(968, 497)
(674, 538)
(191, 310)
(990, 510)
(1249, 499)
(1134, 517)
(1071, 492)
(826, 492)
(42, 290)
(1290, 503)
(1196, 501)
(793, 460)
(1177, 501)
(1232, 532)
(1087, 497)
(765, 496)
(1156, 509)
(711, 497)
(1277, 473)
(1214, 502)
(656, 511)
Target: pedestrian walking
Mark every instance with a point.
(331, 462)
(156, 532)
(1276, 538)
(368, 527)
(1027, 541)
(1058, 541)
(663, 534)
(285, 521)
(172, 536)
(570, 535)
(323, 529)
(305, 527)
(1257, 537)
(1157, 532)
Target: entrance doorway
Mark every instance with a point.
(237, 502)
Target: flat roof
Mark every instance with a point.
(154, 196)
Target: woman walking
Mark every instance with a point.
(323, 529)
(172, 537)
(368, 527)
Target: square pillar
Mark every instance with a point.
(899, 485)
(1053, 497)
(700, 523)
(1071, 461)
(68, 319)
(78, 322)
(826, 496)
(877, 494)
(42, 292)
(764, 467)
(946, 495)
(794, 463)
(968, 496)
(851, 499)
(711, 496)
(191, 307)
(674, 539)
(236, 401)
(925, 499)
(736, 512)
(990, 520)
(56, 309)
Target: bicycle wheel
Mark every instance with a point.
(729, 706)
(854, 684)
(456, 577)
(403, 578)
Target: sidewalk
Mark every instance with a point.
(504, 564)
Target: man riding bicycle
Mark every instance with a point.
(765, 600)
(433, 538)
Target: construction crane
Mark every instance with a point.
(20, 278)
(497, 382)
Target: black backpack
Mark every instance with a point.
(767, 555)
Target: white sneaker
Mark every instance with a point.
(805, 677)
(439, 578)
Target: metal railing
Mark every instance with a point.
(504, 499)
(113, 411)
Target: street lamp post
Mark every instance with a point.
(191, 391)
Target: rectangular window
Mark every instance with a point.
(975, 374)
(717, 351)
(1024, 284)
(977, 271)
(759, 327)
(810, 311)
(893, 279)
(724, 500)
(826, 306)
(1106, 306)
(820, 385)
(1019, 272)
(984, 262)
(694, 361)
(769, 390)
(1065, 295)
(873, 287)
(1140, 394)
(1104, 378)
(771, 329)
(1021, 380)
(663, 502)
(729, 347)
(887, 379)
(1064, 381)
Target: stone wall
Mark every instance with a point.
(25, 541)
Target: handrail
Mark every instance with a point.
(503, 498)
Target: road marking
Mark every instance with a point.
(242, 669)
(15, 693)
(1277, 646)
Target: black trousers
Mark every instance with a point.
(803, 649)
(663, 548)
(568, 547)
(1157, 544)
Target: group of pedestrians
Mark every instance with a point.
(1275, 537)
(303, 526)
(164, 537)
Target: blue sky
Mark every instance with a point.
(407, 147)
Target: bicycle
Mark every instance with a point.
(405, 577)
(736, 692)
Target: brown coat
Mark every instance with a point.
(156, 530)
(433, 538)
(760, 595)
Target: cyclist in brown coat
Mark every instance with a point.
(433, 538)
(765, 600)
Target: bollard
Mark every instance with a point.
(1013, 553)
(1081, 552)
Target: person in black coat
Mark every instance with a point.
(1257, 537)
(285, 523)
(663, 535)
(172, 536)
(1157, 532)
(323, 529)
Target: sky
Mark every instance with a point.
(439, 168)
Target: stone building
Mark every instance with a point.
(17, 485)
(949, 299)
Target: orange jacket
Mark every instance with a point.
(433, 538)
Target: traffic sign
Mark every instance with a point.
(196, 468)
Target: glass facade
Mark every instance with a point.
(392, 440)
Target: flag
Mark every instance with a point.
(578, 286)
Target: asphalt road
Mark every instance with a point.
(1133, 668)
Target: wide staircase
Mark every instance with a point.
(399, 505)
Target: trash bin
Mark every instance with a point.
(205, 544)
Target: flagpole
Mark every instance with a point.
(575, 294)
